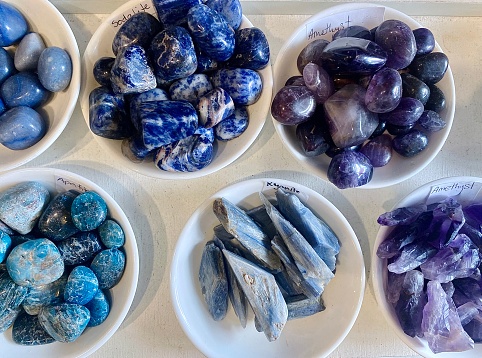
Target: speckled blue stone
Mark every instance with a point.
(7, 65)
(28, 331)
(35, 262)
(211, 32)
(205, 134)
(21, 127)
(5, 245)
(56, 220)
(24, 89)
(88, 211)
(82, 285)
(135, 150)
(13, 25)
(6, 229)
(64, 322)
(173, 54)
(214, 106)
(111, 234)
(54, 69)
(44, 295)
(206, 64)
(108, 265)
(164, 122)
(99, 308)
(231, 10)
(131, 72)
(243, 85)
(108, 114)
(173, 12)
(101, 70)
(11, 297)
(190, 88)
(156, 94)
(251, 50)
(233, 126)
(139, 29)
(28, 52)
(80, 248)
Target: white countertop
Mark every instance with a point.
(158, 209)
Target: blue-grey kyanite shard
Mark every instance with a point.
(28, 331)
(54, 69)
(155, 94)
(233, 126)
(64, 322)
(22, 204)
(11, 297)
(108, 114)
(139, 29)
(44, 295)
(164, 122)
(7, 66)
(214, 106)
(13, 25)
(251, 50)
(301, 306)
(35, 262)
(173, 54)
(173, 12)
(80, 248)
(24, 89)
(190, 88)
(21, 128)
(56, 220)
(231, 10)
(111, 234)
(82, 285)
(108, 265)
(99, 308)
(28, 52)
(211, 32)
(131, 72)
(242, 84)
(236, 296)
(88, 211)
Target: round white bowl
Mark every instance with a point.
(100, 45)
(368, 15)
(317, 335)
(44, 18)
(379, 275)
(122, 294)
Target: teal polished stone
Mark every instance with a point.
(111, 234)
(64, 322)
(82, 285)
(108, 265)
(88, 211)
(99, 308)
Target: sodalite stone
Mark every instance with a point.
(13, 25)
(24, 89)
(173, 12)
(54, 69)
(135, 150)
(21, 128)
(173, 54)
(28, 52)
(82, 285)
(11, 297)
(214, 106)
(242, 84)
(56, 220)
(80, 248)
(108, 265)
(64, 322)
(5, 245)
(99, 308)
(206, 64)
(230, 10)
(164, 122)
(35, 262)
(111, 234)
(88, 211)
(190, 88)
(101, 70)
(211, 32)
(131, 72)
(156, 94)
(28, 331)
(233, 126)
(44, 295)
(251, 50)
(205, 134)
(139, 29)
(22, 204)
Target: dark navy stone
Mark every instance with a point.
(5, 245)
(190, 88)
(134, 149)
(251, 50)
(64, 322)
(436, 102)
(431, 121)
(205, 63)
(44, 295)
(101, 70)
(424, 40)
(28, 52)
(28, 331)
(3, 108)
(413, 87)
(155, 94)
(211, 32)
(108, 265)
(411, 143)
(164, 122)
(131, 72)
(56, 220)
(231, 10)
(88, 211)
(21, 127)
(233, 126)
(214, 107)
(24, 89)
(11, 297)
(173, 54)
(358, 31)
(139, 29)
(7, 65)
(173, 12)
(111, 234)
(82, 285)
(13, 25)
(242, 84)
(80, 248)
(99, 308)
(430, 68)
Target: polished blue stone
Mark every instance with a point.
(155, 94)
(6, 229)
(44, 295)
(211, 32)
(101, 70)
(134, 149)
(214, 107)
(28, 52)
(108, 265)
(233, 126)
(173, 54)
(164, 122)
(251, 50)
(28, 331)
(131, 72)
(24, 89)
(242, 84)
(7, 65)
(206, 64)
(173, 12)
(190, 88)
(111, 234)
(205, 134)
(13, 25)
(80, 248)
(54, 69)
(99, 308)
(11, 297)
(5, 245)
(82, 285)
(21, 127)
(231, 10)
(88, 211)
(56, 220)
(3, 108)
(64, 322)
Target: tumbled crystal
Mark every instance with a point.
(24, 89)
(28, 331)
(81, 286)
(135, 100)
(108, 265)
(397, 39)
(64, 322)
(413, 87)
(173, 12)
(436, 102)
(312, 136)
(21, 128)
(54, 69)
(214, 106)
(424, 40)
(350, 169)
(88, 211)
(353, 31)
(410, 144)
(7, 66)
(111, 234)
(430, 68)
(378, 150)
(11, 297)
(431, 121)
(311, 53)
(13, 25)
(28, 52)
(44, 295)
(101, 70)
(79, 248)
(406, 113)
(56, 220)
(251, 50)
(5, 245)
(233, 126)
(396, 130)
(293, 105)
(231, 10)
(190, 88)
(99, 308)
(384, 91)
(318, 81)
(242, 84)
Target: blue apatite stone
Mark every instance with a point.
(56, 220)
(7, 65)
(80, 248)
(108, 114)
(22, 204)
(13, 25)
(230, 10)
(251, 50)
(5, 245)
(242, 84)
(54, 69)
(108, 265)
(164, 122)
(88, 211)
(131, 72)
(205, 134)
(101, 70)
(21, 128)
(82, 285)
(173, 54)
(156, 94)
(211, 32)
(134, 149)
(64, 322)
(139, 29)
(190, 88)
(35, 262)
(44, 295)
(11, 297)
(99, 308)
(111, 234)
(28, 331)
(214, 106)
(6, 229)
(24, 89)
(233, 126)
(173, 12)
(28, 52)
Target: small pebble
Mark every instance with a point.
(82, 285)
(99, 308)
(5, 245)
(233, 126)
(7, 66)
(80, 248)
(108, 265)
(21, 128)
(64, 322)
(28, 52)
(242, 84)
(54, 69)
(44, 295)
(13, 25)
(28, 331)
(24, 89)
(89, 210)
(111, 234)
(101, 70)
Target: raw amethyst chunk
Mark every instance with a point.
(402, 216)
(293, 105)
(448, 219)
(394, 286)
(350, 169)
(412, 256)
(409, 307)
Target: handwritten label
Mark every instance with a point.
(464, 192)
(144, 6)
(63, 184)
(270, 188)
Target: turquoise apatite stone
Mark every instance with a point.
(7, 65)
(64, 322)
(44, 295)
(79, 248)
(5, 245)
(28, 52)
(11, 297)
(231, 10)
(24, 89)
(108, 265)
(242, 84)
(28, 331)
(99, 308)
(111, 234)
(13, 25)
(54, 69)
(89, 210)
(190, 88)
(21, 128)
(82, 285)
(233, 126)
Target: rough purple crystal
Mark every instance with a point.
(409, 307)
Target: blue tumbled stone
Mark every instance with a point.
(251, 50)
(156, 94)
(108, 265)
(82, 285)
(7, 65)
(21, 127)
(56, 220)
(28, 52)
(28, 331)
(24, 89)
(80, 248)
(135, 150)
(190, 88)
(205, 134)
(242, 84)
(111, 234)
(13, 25)
(11, 297)
(173, 12)
(233, 126)
(99, 308)
(206, 64)
(164, 122)
(5, 245)
(211, 32)
(231, 10)
(54, 69)
(44, 295)
(64, 322)
(88, 211)
(3, 108)
(101, 70)
(214, 106)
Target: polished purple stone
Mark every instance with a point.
(436, 102)
(424, 40)
(410, 144)
(350, 169)
(311, 53)
(318, 81)
(293, 105)
(353, 31)
(295, 81)
(312, 136)
(431, 121)
(406, 113)
(397, 39)
(384, 91)
(413, 87)
(430, 68)
(378, 150)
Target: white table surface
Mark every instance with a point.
(158, 209)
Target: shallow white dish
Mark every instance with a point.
(100, 45)
(44, 18)
(317, 335)
(326, 23)
(121, 295)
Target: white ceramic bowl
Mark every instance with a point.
(44, 18)
(314, 336)
(379, 266)
(121, 295)
(100, 45)
(326, 22)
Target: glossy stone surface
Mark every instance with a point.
(378, 150)
(431, 121)
(233, 126)
(242, 84)
(11, 297)
(44, 295)
(312, 136)
(28, 331)
(350, 169)
(99, 308)
(56, 220)
(54, 69)
(134, 149)
(7, 65)
(82, 285)
(413, 87)
(398, 130)
(436, 102)
(251, 49)
(24, 89)
(155, 94)
(293, 105)
(409, 307)
(5, 245)
(108, 265)
(430, 68)
(80, 248)
(311, 53)
(28, 52)
(407, 112)
(353, 31)
(424, 40)
(64, 322)
(21, 127)
(3, 108)
(88, 211)
(384, 91)
(13, 25)
(101, 70)
(230, 10)
(295, 81)
(173, 12)
(190, 88)
(318, 81)
(214, 106)
(410, 144)
(111, 234)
